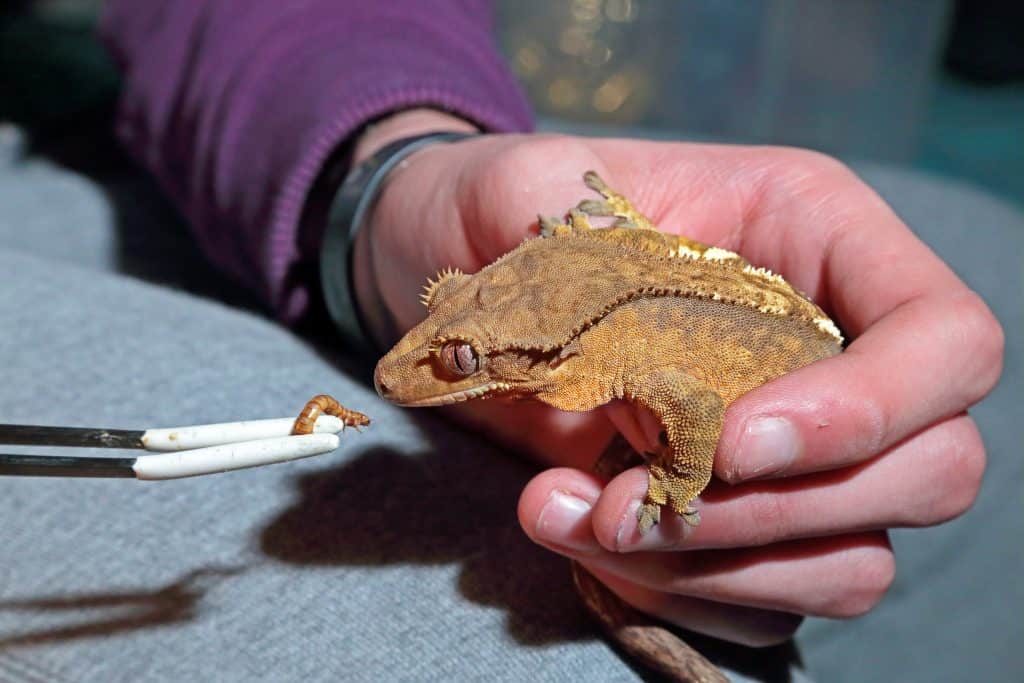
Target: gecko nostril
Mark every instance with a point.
(380, 386)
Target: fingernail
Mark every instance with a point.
(628, 535)
(768, 446)
(565, 520)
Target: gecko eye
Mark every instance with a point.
(460, 358)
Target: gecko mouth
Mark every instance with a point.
(456, 396)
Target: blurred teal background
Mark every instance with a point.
(923, 83)
(860, 80)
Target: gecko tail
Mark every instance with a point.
(641, 637)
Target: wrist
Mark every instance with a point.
(365, 282)
(406, 124)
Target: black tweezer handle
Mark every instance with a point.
(38, 435)
(12, 464)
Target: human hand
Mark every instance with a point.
(821, 462)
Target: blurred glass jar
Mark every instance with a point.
(846, 77)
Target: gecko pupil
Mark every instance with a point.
(460, 358)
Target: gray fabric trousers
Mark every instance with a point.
(398, 557)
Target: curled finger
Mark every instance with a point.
(840, 576)
(929, 478)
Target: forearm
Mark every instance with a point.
(235, 107)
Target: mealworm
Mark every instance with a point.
(328, 405)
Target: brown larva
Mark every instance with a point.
(327, 405)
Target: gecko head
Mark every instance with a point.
(437, 372)
(435, 367)
(450, 357)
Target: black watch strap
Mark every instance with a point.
(348, 211)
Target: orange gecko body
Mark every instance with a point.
(322, 404)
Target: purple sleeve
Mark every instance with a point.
(235, 106)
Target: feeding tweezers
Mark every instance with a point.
(183, 451)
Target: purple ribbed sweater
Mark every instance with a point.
(235, 106)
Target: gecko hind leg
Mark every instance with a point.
(692, 414)
(618, 456)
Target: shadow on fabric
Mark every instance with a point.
(431, 508)
(119, 611)
(453, 504)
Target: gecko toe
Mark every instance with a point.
(595, 207)
(647, 516)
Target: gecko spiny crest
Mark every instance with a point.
(430, 289)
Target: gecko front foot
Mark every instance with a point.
(613, 204)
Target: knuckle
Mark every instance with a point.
(970, 464)
(769, 519)
(859, 412)
(875, 420)
(983, 340)
(813, 164)
(870, 573)
(960, 464)
(822, 163)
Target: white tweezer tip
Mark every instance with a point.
(201, 436)
(233, 456)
